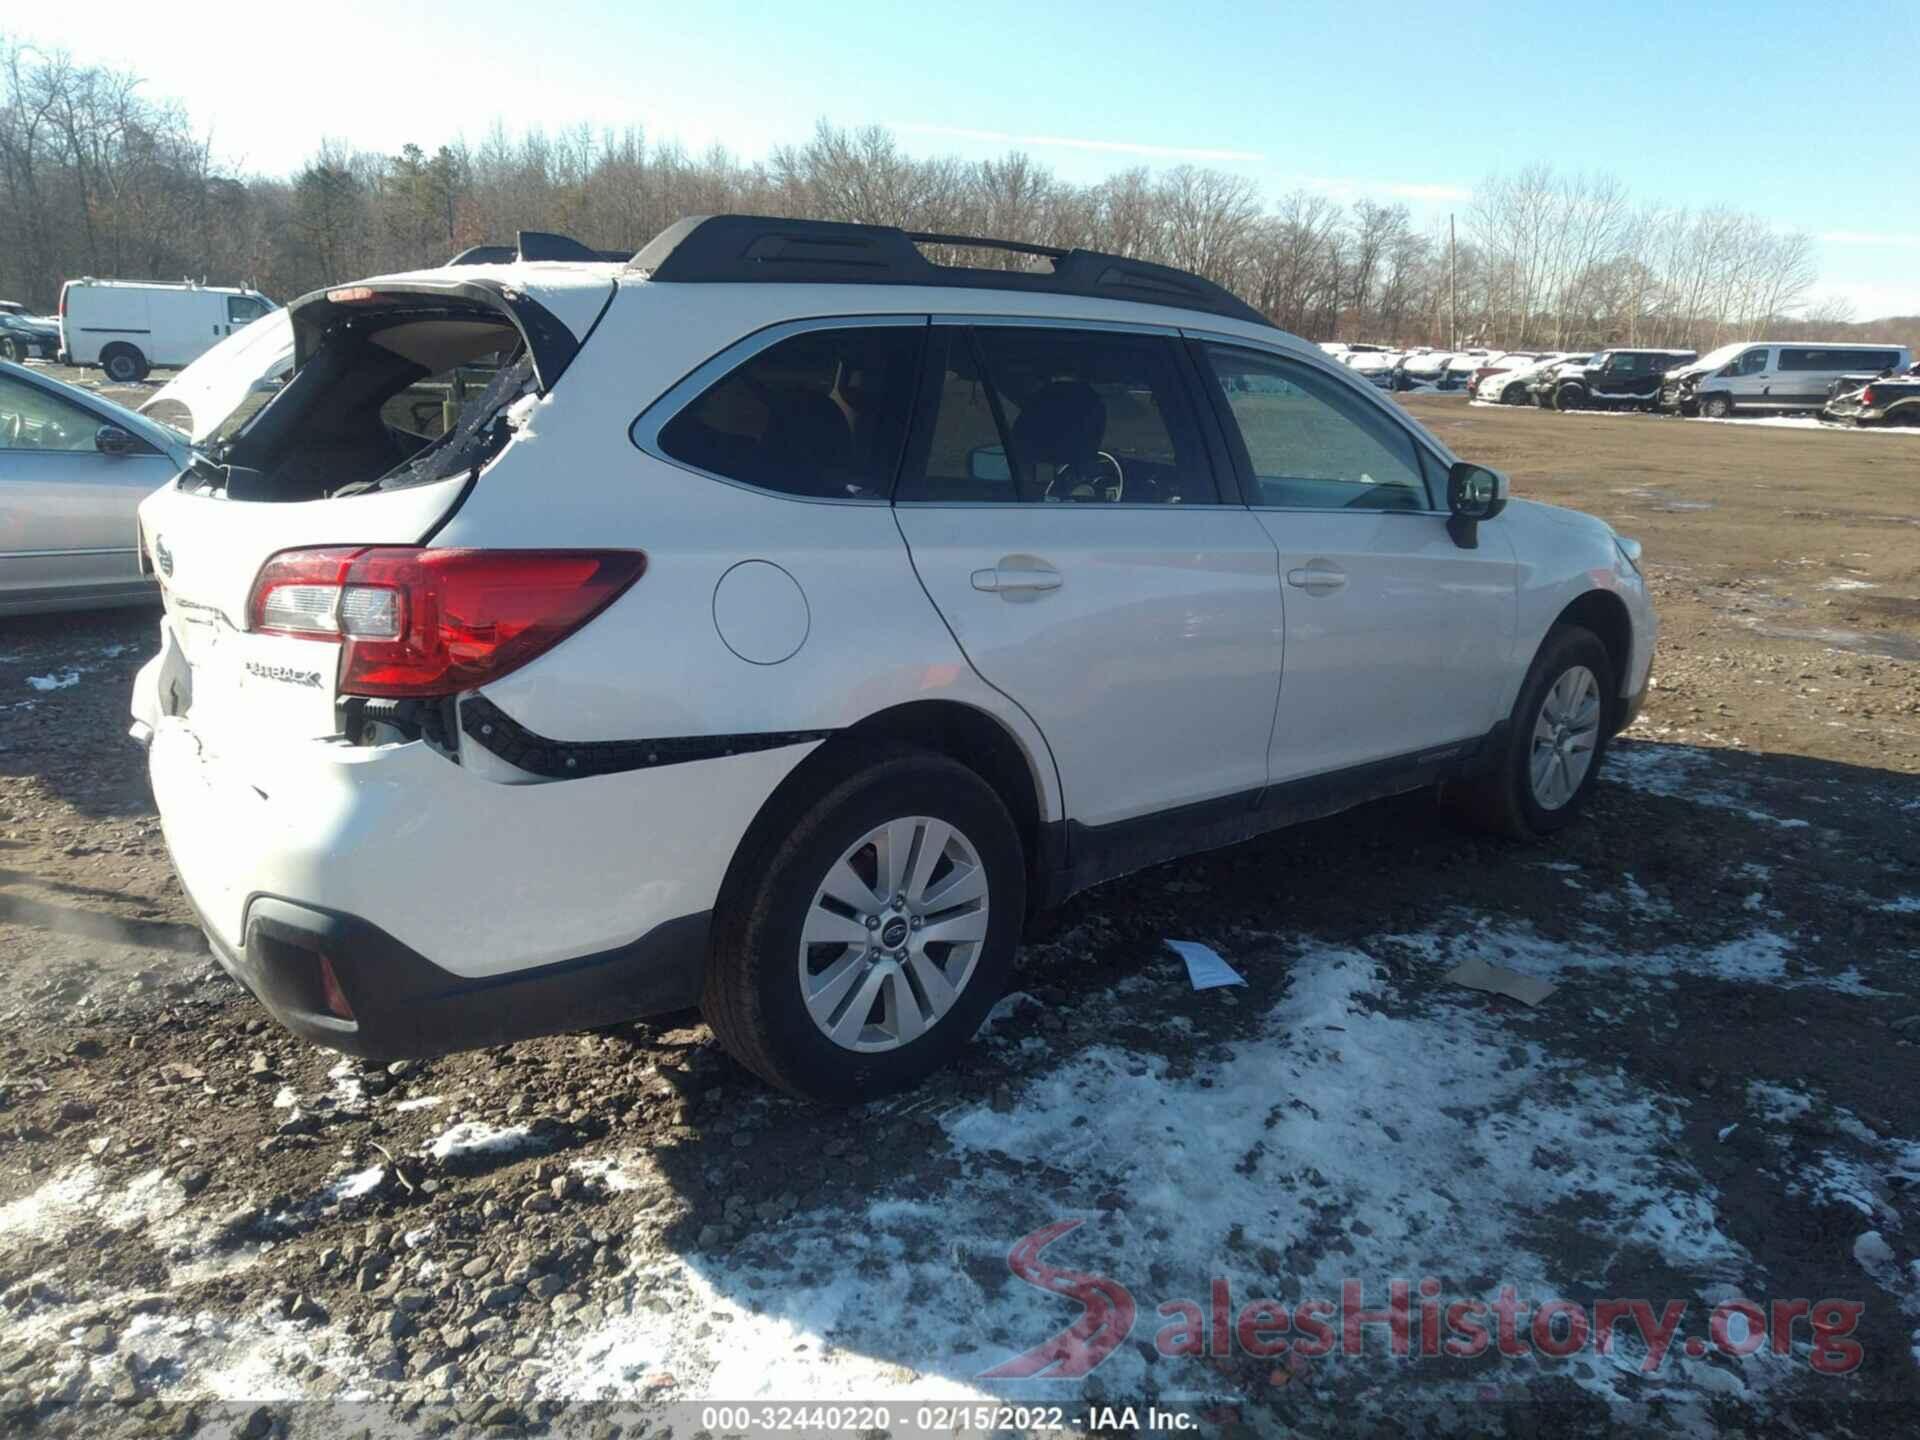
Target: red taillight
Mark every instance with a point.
(1866, 396)
(418, 623)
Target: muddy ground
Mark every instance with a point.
(204, 1223)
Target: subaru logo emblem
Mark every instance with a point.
(163, 557)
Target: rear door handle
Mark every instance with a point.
(1319, 577)
(1004, 577)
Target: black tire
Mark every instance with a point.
(752, 996)
(1514, 395)
(10, 350)
(1569, 397)
(1716, 407)
(124, 364)
(1503, 801)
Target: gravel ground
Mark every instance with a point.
(204, 1222)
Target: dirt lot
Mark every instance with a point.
(203, 1222)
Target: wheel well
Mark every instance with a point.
(977, 741)
(960, 732)
(1605, 614)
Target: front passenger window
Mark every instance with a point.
(1312, 443)
(1038, 415)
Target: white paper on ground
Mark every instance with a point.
(1205, 968)
(1498, 980)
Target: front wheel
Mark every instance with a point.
(1556, 739)
(1717, 407)
(1569, 397)
(1514, 395)
(863, 950)
(10, 350)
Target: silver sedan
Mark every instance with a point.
(74, 468)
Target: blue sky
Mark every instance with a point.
(1809, 116)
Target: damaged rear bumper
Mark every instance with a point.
(307, 966)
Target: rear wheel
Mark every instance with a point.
(1717, 407)
(1514, 395)
(1556, 739)
(863, 949)
(123, 364)
(10, 350)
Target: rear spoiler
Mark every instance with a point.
(550, 343)
(539, 245)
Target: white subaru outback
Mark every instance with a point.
(774, 621)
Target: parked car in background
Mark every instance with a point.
(126, 327)
(1767, 375)
(1515, 386)
(74, 468)
(765, 637)
(1891, 398)
(12, 307)
(27, 337)
(1377, 367)
(1457, 374)
(1499, 362)
(1612, 380)
(1425, 367)
(229, 382)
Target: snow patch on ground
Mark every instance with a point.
(424, 1102)
(476, 1137)
(54, 682)
(79, 1194)
(1678, 772)
(1367, 1142)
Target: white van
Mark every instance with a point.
(127, 327)
(1767, 375)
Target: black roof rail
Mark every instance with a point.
(538, 245)
(722, 249)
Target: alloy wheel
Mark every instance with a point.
(893, 934)
(1565, 735)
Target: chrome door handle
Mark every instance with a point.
(1002, 578)
(1318, 578)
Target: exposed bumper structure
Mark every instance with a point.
(340, 981)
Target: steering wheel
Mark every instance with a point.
(1091, 486)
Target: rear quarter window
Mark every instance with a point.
(821, 415)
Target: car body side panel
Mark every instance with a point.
(1562, 555)
(655, 665)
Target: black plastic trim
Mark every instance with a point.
(494, 730)
(730, 249)
(406, 1007)
(1075, 857)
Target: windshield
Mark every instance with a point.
(228, 384)
(1713, 359)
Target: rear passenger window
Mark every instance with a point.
(1039, 415)
(1312, 443)
(821, 414)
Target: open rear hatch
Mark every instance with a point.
(402, 393)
